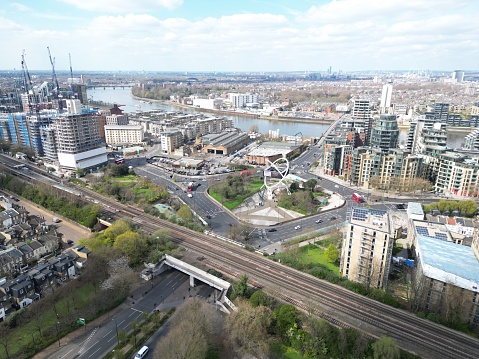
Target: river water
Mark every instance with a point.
(123, 96)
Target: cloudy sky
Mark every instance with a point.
(241, 35)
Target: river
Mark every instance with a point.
(122, 96)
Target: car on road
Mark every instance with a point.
(297, 227)
(142, 352)
(272, 230)
(190, 195)
(319, 221)
(336, 186)
(333, 218)
(208, 216)
(69, 241)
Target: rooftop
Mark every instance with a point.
(415, 208)
(371, 218)
(448, 262)
(431, 230)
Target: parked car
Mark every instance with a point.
(297, 227)
(333, 218)
(319, 221)
(69, 241)
(272, 230)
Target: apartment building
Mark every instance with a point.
(170, 140)
(78, 141)
(361, 114)
(239, 100)
(120, 135)
(367, 247)
(118, 120)
(385, 133)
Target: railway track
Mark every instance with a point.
(426, 338)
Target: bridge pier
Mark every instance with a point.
(192, 281)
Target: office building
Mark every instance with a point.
(457, 76)
(367, 247)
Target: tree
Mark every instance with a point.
(332, 253)
(310, 184)
(117, 228)
(185, 214)
(386, 347)
(286, 316)
(120, 275)
(247, 328)
(260, 298)
(242, 286)
(254, 128)
(131, 244)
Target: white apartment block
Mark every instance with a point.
(367, 247)
(123, 135)
(170, 140)
(238, 100)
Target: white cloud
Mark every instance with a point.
(124, 6)
(20, 7)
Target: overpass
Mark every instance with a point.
(198, 274)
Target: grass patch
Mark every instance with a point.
(250, 189)
(313, 255)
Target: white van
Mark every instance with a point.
(55, 220)
(142, 352)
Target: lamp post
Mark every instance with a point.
(116, 327)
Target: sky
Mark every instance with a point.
(241, 35)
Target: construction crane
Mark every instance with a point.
(58, 95)
(71, 75)
(29, 87)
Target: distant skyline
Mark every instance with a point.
(246, 35)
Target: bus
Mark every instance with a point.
(358, 198)
(120, 161)
(191, 186)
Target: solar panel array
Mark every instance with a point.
(360, 214)
(423, 231)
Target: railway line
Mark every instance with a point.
(426, 338)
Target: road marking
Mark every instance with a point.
(94, 352)
(136, 310)
(107, 333)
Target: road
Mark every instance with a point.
(98, 341)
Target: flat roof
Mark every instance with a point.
(448, 262)
(431, 230)
(371, 218)
(415, 208)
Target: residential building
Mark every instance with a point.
(117, 120)
(170, 140)
(471, 141)
(78, 141)
(386, 96)
(367, 247)
(361, 114)
(238, 100)
(121, 135)
(385, 133)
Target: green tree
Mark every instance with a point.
(260, 298)
(287, 317)
(185, 214)
(310, 184)
(131, 244)
(117, 228)
(242, 286)
(469, 207)
(332, 253)
(386, 347)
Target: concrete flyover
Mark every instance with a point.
(201, 275)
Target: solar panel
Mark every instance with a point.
(441, 236)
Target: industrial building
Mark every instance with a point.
(224, 143)
(271, 151)
(446, 279)
(367, 247)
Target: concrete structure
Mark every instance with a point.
(367, 247)
(414, 211)
(119, 120)
(268, 152)
(116, 135)
(224, 143)
(361, 114)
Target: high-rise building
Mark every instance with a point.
(361, 114)
(386, 95)
(385, 133)
(171, 140)
(78, 141)
(367, 247)
(457, 76)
